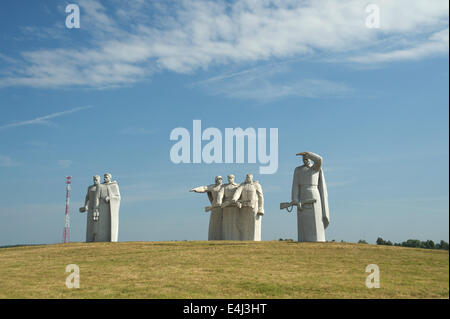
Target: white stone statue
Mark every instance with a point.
(250, 196)
(91, 209)
(215, 221)
(108, 204)
(230, 210)
(309, 194)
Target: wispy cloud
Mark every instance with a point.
(144, 192)
(136, 131)
(6, 161)
(43, 119)
(185, 36)
(412, 203)
(6, 58)
(64, 163)
(264, 83)
(340, 183)
(38, 144)
(255, 72)
(55, 32)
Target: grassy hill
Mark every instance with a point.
(222, 269)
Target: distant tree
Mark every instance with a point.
(443, 245)
(362, 241)
(380, 241)
(415, 243)
(411, 243)
(429, 244)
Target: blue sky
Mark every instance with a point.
(373, 102)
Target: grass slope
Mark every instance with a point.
(222, 269)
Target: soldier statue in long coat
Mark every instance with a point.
(90, 208)
(249, 195)
(215, 231)
(309, 193)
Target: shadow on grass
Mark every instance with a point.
(21, 245)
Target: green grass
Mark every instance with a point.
(222, 269)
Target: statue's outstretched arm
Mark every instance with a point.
(200, 189)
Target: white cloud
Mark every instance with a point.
(185, 36)
(438, 43)
(43, 119)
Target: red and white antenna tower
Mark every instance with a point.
(66, 236)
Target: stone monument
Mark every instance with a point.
(90, 208)
(103, 204)
(249, 197)
(215, 221)
(230, 210)
(309, 194)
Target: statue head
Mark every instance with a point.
(96, 179)
(249, 178)
(218, 180)
(107, 178)
(306, 161)
(231, 179)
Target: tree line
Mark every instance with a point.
(416, 243)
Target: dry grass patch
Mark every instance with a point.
(223, 269)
